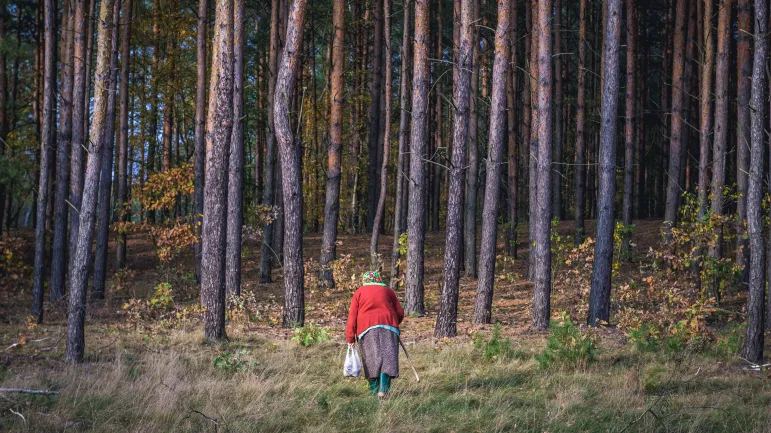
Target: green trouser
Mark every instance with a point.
(382, 384)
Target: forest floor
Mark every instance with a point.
(147, 369)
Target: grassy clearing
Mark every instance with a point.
(169, 382)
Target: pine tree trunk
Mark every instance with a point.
(235, 210)
(448, 299)
(375, 260)
(542, 271)
(497, 133)
(268, 253)
(48, 116)
(400, 208)
(60, 248)
(674, 188)
(744, 72)
(123, 142)
(533, 140)
(472, 183)
(4, 115)
(219, 127)
(435, 173)
(629, 122)
(599, 298)
(416, 230)
(705, 95)
(375, 91)
(721, 120)
(200, 126)
(511, 125)
(294, 299)
(580, 171)
(556, 188)
(79, 277)
(106, 169)
(753, 346)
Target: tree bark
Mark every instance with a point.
(472, 182)
(294, 299)
(400, 207)
(235, 210)
(416, 230)
(580, 171)
(46, 150)
(106, 169)
(599, 297)
(63, 138)
(705, 120)
(753, 346)
(721, 119)
(200, 126)
(542, 273)
(375, 91)
(448, 298)
(268, 251)
(744, 72)
(674, 189)
(376, 261)
(533, 140)
(556, 188)
(497, 133)
(123, 142)
(629, 109)
(79, 278)
(219, 127)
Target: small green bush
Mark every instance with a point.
(644, 337)
(234, 361)
(495, 347)
(567, 345)
(311, 334)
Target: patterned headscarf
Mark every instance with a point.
(371, 277)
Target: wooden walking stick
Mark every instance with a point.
(410, 360)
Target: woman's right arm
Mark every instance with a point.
(350, 328)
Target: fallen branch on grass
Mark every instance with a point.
(18, 414)
(753, 366)
(30, 391)
(25, 342)
(208, 418)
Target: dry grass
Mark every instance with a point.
(150, 379)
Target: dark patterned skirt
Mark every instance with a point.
(380, 353)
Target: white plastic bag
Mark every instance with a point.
(352, 366)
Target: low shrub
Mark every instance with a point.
(311, 334)
(567, 345)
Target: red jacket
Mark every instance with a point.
(372, 305)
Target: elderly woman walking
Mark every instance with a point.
(374, 319)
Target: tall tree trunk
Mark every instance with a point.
(404, 127)
(705, 121)
(435, 176)
(4, 113)
(268, 251)
(123, 143)
(219, 127)
(556, 178)
(375, 91)
(721, 120)
(753, 346)
(47, 144)
(332, 199)
(448, 299)
(744, 72)
(105, 181)
(375, 260)
(79, 278)
(580, 172)
(599, 298)
(64, 137)
(152, 129)
(542, 274)
(472, 183)
(533, 139)
(674, 189)
(416, 229)
(78, 98)
(235, 211)
(200, 125)
(497, 133)
(294, 299)
(511, 125)
(629, 109)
